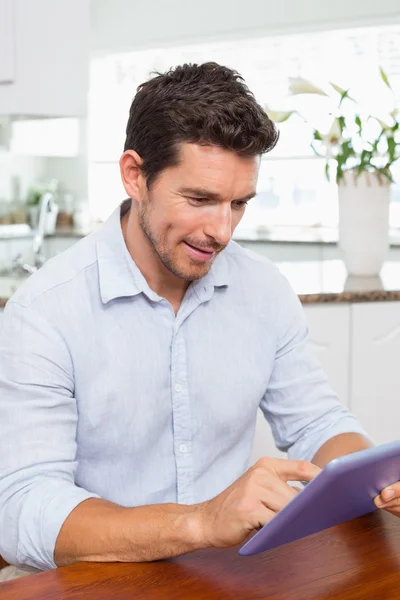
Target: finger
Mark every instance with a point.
(295, 470)
(395, 503)
(260, 517)
(275, 494)
(388, 494)
(391, 492)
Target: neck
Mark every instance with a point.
(159, 278)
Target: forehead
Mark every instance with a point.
(221, 170)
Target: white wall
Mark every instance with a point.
(125, 24)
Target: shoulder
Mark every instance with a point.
(61, 273)
(255, 271)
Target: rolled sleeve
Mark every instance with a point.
(299, 404)
(38, 421)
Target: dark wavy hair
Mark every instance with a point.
(206, 104)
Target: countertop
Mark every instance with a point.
(317, 282)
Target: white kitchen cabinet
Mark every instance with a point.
(329, 340)
(375, 389)
(49, 42)
(7, 66)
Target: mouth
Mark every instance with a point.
(199, 254)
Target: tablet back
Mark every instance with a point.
(345, 489)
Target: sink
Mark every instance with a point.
(10, 283)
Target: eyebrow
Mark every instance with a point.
(212, 195)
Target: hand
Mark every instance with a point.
(251, 501)
(389, 499)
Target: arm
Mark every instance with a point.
(114, 533)
(344, 443)
(98, 530)
(301, 407)
(38, 418)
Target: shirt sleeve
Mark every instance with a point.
(299, 404)
(38, 422)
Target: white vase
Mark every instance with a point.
(364, 222)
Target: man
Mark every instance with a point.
(133, 365)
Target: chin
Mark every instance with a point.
(191, 272)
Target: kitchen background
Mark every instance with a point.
(68, 72)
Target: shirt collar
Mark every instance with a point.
(118, 274)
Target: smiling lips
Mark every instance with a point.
(199, 255)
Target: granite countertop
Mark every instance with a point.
(327, 281)
(319, 282)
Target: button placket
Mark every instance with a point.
(182, 419)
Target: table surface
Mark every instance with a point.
(357, 560)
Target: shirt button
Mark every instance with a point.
(183, 448)
(178, 387)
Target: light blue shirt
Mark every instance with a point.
(104, 392)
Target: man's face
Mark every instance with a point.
(192, 209)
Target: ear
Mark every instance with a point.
(132, 175)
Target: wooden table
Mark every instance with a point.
(358, 560)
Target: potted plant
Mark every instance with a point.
(359, 149)
(34, 196)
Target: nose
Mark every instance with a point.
(219, 225)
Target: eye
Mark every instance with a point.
(198, 200)
(240, 203)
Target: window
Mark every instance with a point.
(292, 188)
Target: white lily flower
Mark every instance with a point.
(332, 138)
(337, 88)
(384, 125)
(278, 116)
(394, 113)
(298, 85)
(334, 135)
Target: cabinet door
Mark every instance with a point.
(51, 40)
(375, 390)
(6, 42)
(329, 340)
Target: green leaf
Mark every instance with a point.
(358, 123)
(317, 135)
(386, 173)
(345, 95)
(339, 174)
(391, 144)
(385, 78)
(327, 171)
(337, 88)
(342, 123)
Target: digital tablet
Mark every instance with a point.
(343, 490)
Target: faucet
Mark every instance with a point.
(46, 205)
(19, 267)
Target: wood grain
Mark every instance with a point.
(357, 560)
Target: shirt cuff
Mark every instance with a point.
(306, 449)
(45, 509)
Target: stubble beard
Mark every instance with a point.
(159, 247)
